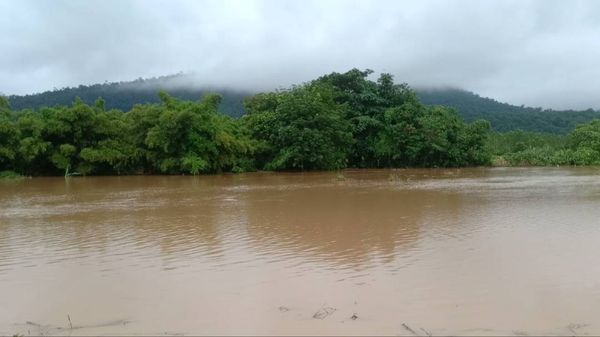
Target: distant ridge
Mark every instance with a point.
(123, 95)
(504, 116)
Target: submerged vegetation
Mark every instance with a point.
(336, 121)
(10, 175)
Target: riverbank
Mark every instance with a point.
(497, 162)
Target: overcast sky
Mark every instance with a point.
(539, 53)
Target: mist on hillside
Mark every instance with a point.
(536, 53)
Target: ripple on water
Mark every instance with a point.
(402, 238)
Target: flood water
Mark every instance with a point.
(387, 252)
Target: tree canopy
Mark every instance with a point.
(170, 137)
(471, 107)
(336, 121)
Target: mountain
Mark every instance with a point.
(470, 106)
(504, 116)
(123, 95)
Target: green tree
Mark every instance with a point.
(189, 137)
(9, 140)
(585, 142)
(300, 129)
(4, 104)
(366, 104)
(473, 143)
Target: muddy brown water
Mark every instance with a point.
(388, 252)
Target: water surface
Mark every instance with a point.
(461, 251)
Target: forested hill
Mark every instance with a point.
(506, 117)
(123, 95)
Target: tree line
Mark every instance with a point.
(581, 147)
(336, 121)
(471, 107)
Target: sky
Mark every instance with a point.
(542, 53)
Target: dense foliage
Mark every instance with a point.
(471, 107)
(519, 148)
(342, 120)
(505, 117)
(171, 137)
(336, 121)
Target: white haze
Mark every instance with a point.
(539, 53)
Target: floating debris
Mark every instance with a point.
(574, 326)
(427, 332)
(409, 329)
(324, 312)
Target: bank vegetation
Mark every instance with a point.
(337, 121)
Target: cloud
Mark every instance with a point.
(541, 53)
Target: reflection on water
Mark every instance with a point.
(469, 251)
